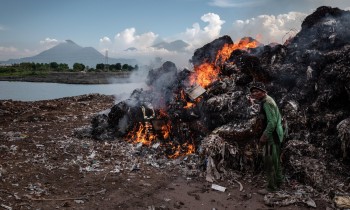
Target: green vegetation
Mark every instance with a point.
(41, 69)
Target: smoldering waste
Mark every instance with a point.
(205, 112)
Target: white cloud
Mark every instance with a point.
(8, 53)
(231, 3)
(48, 43)
(8, 49)
(11, 52)
(105, 44)
(268, 28)
(14, 53)
(194, 36)
(128, 38)
(105, 40)
(197, 37)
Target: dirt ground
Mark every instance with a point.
(43, 165)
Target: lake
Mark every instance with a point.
(34, 91)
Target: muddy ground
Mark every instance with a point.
(43, 165)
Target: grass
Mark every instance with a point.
(23, 73)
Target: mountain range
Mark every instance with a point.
(69, 52)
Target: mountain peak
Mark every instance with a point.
(177, 45)
(70, 41)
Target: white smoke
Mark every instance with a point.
(123, 124)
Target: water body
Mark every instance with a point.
(34, 91)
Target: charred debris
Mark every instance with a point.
(204, 111)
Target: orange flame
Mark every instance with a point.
(227, 49)
(176, 153)
(189, 105)
(207, 73)
(190, 148)
(166, 130)
(142, 133)
(184, 149)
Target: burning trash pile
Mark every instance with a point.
(205, 110)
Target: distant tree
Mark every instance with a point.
(100, 66)
(54, 66)
(112, 67)
(33, 66)
(118, 66)
(130, 68)
(63, 67)
(78, 67)
(125, 67)
(136, 67)
(26, 66)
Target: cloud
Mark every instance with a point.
(8, 49)
(268, 28)
(105, 44)
(105, 40)
(235, 3)
(196, 36)
(48, 43)
(128, 38)
(13, 53)
(2, 28)
(8, 53)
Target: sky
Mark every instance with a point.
(28, 27)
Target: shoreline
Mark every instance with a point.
(73, 77)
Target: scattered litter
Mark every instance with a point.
(342, 201)
(116, 169)
(79, 201)
(283, 198)
(240, 185)
(6, 207)
(156, 145)
(218, 187)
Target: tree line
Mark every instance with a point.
(33, 68)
